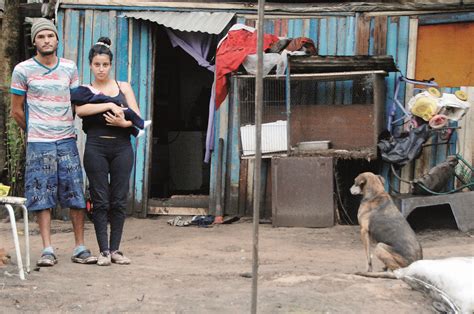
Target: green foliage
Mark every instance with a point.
(15, 154)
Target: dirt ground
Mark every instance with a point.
(205, 270)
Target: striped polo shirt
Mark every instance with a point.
(48, 110)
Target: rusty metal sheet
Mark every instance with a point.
(302, 192)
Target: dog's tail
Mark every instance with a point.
(380, 274)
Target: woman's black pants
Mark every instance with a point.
(108, 163)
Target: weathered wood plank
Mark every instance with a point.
(323, 37)
(134, 79)
(323, 50)
(284, 28)
(392, 36)
(403, 49)
(362, 34)
(350, 36)
(422, 164)
(61, 32)
(371, 36)
(411, 58)
(149, 116)
(446, 18)
(277, 27)
(313, 30)
(96, 32)
(250, 176)
(267, 213)
(306, 27)
(234, 153)
(72, 34)
(350, 51)
(243, 186)
(143, 101)
(81, 62)
(222, 132)
(332, 36)
(122, 61)
(263, 187)
(466, 133)
(174, 211)
(380, 35)
(325, 64)
(112, 25)
(214, 159)
(104, 23)
(268, 27)
(408, 172)
(87, 40)
(340, 51)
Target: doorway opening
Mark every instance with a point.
(181, 108)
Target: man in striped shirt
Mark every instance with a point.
(41, 106)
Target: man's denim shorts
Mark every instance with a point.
(53, 172)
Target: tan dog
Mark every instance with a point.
(382, 223)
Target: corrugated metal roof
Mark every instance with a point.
(205, 22)
(289, 7)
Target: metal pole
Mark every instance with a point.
(258, 151)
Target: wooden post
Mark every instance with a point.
(408, 171)
(219, 213)
(258, 151)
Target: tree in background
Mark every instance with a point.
(14, 138)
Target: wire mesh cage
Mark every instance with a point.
(339, 109)
(274, 99)
(274, 114)
(344, 109)
(313, 90)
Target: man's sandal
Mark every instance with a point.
(84, 257)
(47, 259)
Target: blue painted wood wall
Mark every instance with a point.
(353, 34)
(132, 47)
(333, 35)
(350, 34)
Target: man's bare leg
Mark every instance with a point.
(77, 218)
(80, 253)
(44, 223)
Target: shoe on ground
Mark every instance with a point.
(119, 258)
(84, 257)
(104, 259)
(47, 259)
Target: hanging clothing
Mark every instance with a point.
(231, 52)
(402, 150)
(197, 46)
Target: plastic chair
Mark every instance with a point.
(9, 202)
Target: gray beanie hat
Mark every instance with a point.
(42, 24)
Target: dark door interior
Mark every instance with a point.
(181, 107)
